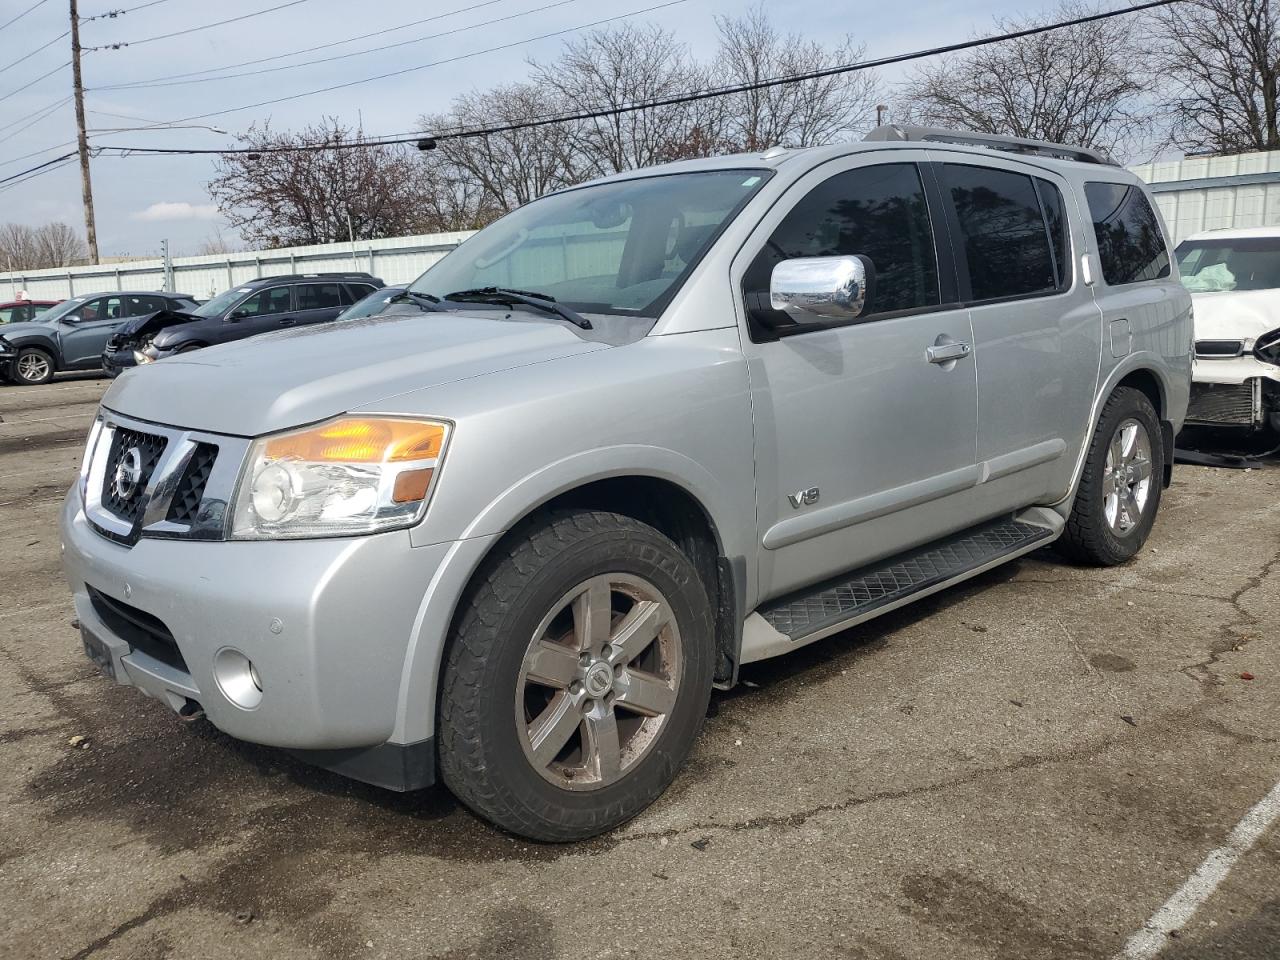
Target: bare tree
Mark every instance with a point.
(35, 248)
(1220, 62)
(802, 114)
(1081, 85)
(322, 194)
(614, 68)
(476, 179)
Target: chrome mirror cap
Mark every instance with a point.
(833, 288)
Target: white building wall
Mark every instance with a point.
(1234, 191)
(397, 260)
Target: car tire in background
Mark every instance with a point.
(32, 366)
(1119, 493)
(577, 676)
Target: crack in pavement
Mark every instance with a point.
(1230, 635)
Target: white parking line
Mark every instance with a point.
(1181, 907)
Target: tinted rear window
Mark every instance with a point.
(1130, 244)
(1005, 232)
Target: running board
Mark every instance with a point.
(826, 608)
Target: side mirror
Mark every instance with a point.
(821, 288)
(235, 316)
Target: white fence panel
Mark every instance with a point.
(397, 260)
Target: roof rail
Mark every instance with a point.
(309, 276)
(1041, 148)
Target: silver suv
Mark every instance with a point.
(644, 431)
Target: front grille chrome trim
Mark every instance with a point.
(211, 516)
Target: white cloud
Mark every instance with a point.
(171, 210)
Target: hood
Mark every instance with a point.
(150, 323)
(280, 380)
(1236, 314)
(12, 331)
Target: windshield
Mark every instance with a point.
(221, 303)
(620, 248)
(62, 309)
(1210, 266)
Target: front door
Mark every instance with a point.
(865, 437)
(84, 331)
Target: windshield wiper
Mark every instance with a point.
(508, 297)
(424, 300)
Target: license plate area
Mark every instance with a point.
(98, 652)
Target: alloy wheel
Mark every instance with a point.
(33, 367)
(1126, 482)
(599, 681)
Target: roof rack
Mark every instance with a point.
(1040, 148)
(309, 276)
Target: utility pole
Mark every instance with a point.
(86, 187)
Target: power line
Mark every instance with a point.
(343, 56)
(424, 66)
(28, 56)
(204, 26)
(32, 83)
(721, 91)
(11, 20)
(33, 118)
(295, 53)
(38, 167)
(112, 14)
(47, 106)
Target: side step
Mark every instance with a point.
(828, 607)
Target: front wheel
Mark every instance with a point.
(1119, 493)
(577, 677)
(32, 366)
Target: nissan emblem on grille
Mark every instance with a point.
(128, 473)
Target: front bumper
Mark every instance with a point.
(329, 625)
(116, 362)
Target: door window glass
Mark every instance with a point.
(11, 314)
(318, 296)
(879, 212)
(264, 303)
(1004, 232)
(138, 306)
(39, 308)
(1130, 244)
(1056, 216)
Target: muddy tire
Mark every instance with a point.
(577, 676)
(1119, 493)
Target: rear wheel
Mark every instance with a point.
(1119, 494)
(577, 677)
(32, 366)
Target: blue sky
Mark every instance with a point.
(141, 200)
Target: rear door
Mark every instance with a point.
(862, 443)
(318, 302)
(1037, 331)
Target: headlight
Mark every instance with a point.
(1267, 347)
(140, 357)
(348, 476)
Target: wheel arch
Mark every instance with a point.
(671, 507)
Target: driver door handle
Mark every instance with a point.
(287, 321)
(945, 352)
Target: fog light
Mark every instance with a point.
(237, 678)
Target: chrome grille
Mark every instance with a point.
(126, 502)
(186, 498)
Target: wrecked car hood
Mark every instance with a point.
(1236, 314)
(279, 380)
(138, 327)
